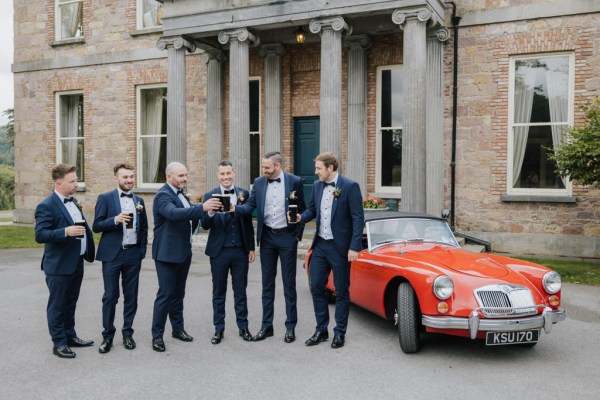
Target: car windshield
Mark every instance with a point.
(398, 230)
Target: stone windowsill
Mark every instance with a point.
(538, 199)
(146, 190)
(63, 42)
(386, 195)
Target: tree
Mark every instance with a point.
(7, 187)
(579, 156)
(9, 128)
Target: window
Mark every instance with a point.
(540, 109)
(152, 135)
(70, 135)
(390, 88)
(149, 14)
(69, 19)
(254, 129)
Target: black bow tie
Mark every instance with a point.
(329, 184)
(274, 180)
(68, 199)
(130, 195)
(180, 192)
(232, 191)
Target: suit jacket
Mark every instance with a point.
(218, 223)
(61, 252)
(108, 206)
(347, 215)
(172, 235)
(293, 183)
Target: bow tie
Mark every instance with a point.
(68, 199)
(329, 184)
(180, 192)
(130, 195)
(274, 180)
(232, 191)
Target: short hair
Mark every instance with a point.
(274, 156)
(327, 158)
(122, 166)
(225, 163)
(60, 170)
(172, 166)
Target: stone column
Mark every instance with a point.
(273, 96)
(176, 96)
(413, 134)
(435, 121)
(214, 115)
(331, 30)
(357, 109)
(239, 102)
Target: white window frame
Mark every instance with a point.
(59, 138)
(140, 156)
(510, 190)
(379, 189)
(57, 19)
(140, 16)
(257, 78)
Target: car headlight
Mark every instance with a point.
(552, 282)
(443, 287)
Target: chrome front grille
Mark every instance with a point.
(503, 301)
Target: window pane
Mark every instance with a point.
(254, 106)
(154, 156)
(71, 131)
(391, 157)
(71, 20)
(153, 134)
(153, 111)
(151, 13)
(254, 157)
(391, 98)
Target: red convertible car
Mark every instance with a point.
(413, 271)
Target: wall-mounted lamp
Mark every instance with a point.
(300, 35)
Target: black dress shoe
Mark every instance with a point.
(246, 335)
(217, 337)
(105, 346)
(338, 341)
(76, 342)
(317, 338)
(129, 343)
(183, 336)
(158, 344)
(63, 352)
(290, 336)
(263, 334)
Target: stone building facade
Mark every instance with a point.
(148, 82)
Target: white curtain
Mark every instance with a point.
(150, 11)
(152, 125)
(69, 128)
(524, 89)
(558, 103)
(70, 19)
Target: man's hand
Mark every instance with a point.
(122, 218)
(75, 230)
(251, 256)
(212, 204)
(352, 255)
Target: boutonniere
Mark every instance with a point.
(337, 193)
(77, 204)
(199, 199)
(139, 207)
(188, 198)
(292, 197)
(241, 197)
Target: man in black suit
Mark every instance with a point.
(121, 217)
(336, 203)
(175, 219)
(271, 195)
(230, 246)
(66, 245)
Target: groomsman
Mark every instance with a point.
(337, 205)
(271, 195)
(121, 217)
(175, 218)
(230, 246)
(66, 245)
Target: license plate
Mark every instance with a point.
(503, 338)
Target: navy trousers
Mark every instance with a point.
(172, 278)
(325, 257)
(126, 265)
(232, 260)
(282, 246)
(62, 300)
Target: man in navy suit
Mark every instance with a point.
(66, 245)
(230, 246)
(271, 195)
(337, 205)
(121, 217)
(175, 218)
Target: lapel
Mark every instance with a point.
(61, 207)
(137, 219)
(338, 185)
(288, 189)
(262, 194)
(170, 192)
(116, 200)
(319, 196)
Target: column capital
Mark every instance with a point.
(442, 34)
(422, 14)
(362, 41)
(273, 48)
(240, 34)
(213, 55)
(336, 23)
(176, 42)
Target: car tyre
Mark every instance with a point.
(408, 319)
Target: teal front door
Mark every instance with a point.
(306, 148)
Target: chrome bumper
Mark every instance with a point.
(475, 324)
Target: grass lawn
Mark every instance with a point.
(22, 237)
(572, 271)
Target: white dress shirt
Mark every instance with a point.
(76, 215)
(326, 207)
(275, 215)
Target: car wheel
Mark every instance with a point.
(408, 319)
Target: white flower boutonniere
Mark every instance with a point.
(139, 207)
(337, 193)
(241, 198)
(292, 197)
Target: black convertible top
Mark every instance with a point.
(387, 214)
